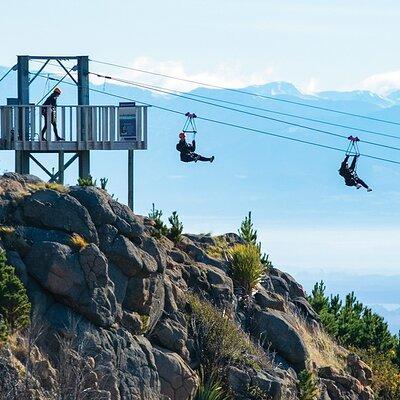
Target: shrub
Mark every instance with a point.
(219, 339)
(78, 241)
(87, 181)
(385, 374)
(14, 304)
(3, 331)
(308, 386)
(175, 232)
(246, 268)
(160, 229)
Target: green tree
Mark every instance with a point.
(175, 232)
(247, 232)
(249, 235)
(308, 386)
(14, 303)
(160, 229)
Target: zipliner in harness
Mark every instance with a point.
(187, 150)
(349, 172)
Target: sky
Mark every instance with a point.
(316, 45)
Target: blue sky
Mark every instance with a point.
(316, 45)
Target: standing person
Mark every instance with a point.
(187, 150)
(51, 101)
(349, 174)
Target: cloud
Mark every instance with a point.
(382, 83)
(226, 75)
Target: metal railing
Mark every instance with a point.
(87, 127)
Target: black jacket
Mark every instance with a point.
(347, 174)
(185, 148)
(50, 101)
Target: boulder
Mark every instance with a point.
(275, 331)
(269, 300)
(83, 287)
(96, 201)
(52, 210)
(178, 381)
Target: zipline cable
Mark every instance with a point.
(249, 93)
(11, 69)
(54, 86)
(231, 125)
(135, 83)
(151, 87)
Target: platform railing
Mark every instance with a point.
(88, 127)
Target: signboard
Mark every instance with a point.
(127, 121)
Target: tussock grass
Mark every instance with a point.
(321, 347)
(34, 187)
(220, 249)
(78, 241)
(220, 339)
(6, 230)
(246, 269)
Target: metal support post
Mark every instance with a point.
(61, 167)
(131, 179)
(22, 157)
(83, 99)
(84, 164)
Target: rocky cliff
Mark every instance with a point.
(112, 316)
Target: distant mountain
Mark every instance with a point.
(278, 88)
(357, 95)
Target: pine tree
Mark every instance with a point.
(14, 303)
(308, 386)
(159, 227)
(247, 232)
(175, 232)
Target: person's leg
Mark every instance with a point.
(198, 157)
(44, 127)
(54, 124)
(362, 183)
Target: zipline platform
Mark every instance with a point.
(82, 127)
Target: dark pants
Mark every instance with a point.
(193, 157)
(361, 182)
(53, 123)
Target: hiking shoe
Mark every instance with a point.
(369, 190)
(212, 159)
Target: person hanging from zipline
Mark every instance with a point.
(52, 102)
(349, 172)
(186, 149)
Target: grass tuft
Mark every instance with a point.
(78, 241)
(6, 230)
(34, 187)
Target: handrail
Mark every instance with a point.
(88, 126)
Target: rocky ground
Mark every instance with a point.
(111, 318)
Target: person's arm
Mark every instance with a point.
(193, 146)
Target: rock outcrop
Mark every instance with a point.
(113, 304)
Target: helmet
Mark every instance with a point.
(182, 135)
(57, 90)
